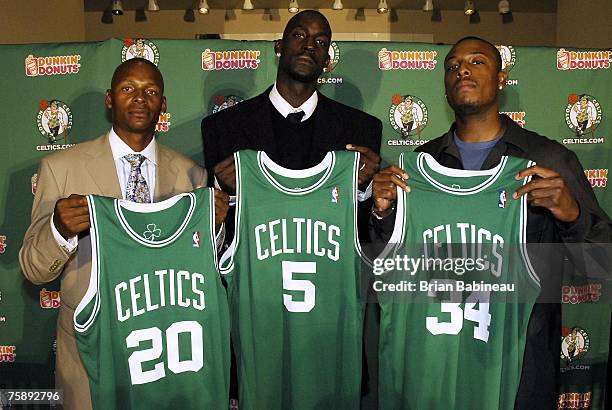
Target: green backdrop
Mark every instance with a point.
(544, 93)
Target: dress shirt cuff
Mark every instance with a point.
(70, 245)
(364, 195)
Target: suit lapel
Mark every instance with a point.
(166, 174)
(261, 134)
(101, 167)
(326, 128)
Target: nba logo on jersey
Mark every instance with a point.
(195, 239)
(335, 195)
(503, 197)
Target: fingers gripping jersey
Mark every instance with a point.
(293, 284)
(153, 327)
(452, 342)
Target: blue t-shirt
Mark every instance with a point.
(474, 154)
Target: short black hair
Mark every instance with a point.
(132, 62)
(496, 53)
(293, 21)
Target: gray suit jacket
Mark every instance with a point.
(87, 168)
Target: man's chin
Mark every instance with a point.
(305, 77)
(466, 108)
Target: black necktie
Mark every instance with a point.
(295, 117)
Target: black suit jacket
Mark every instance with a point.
(248, 125)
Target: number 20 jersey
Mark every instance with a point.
(293, 274)
(153, 327)
(449, 346)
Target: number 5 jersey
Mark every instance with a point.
(293, 273)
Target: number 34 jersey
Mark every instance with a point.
(293, 274)
(456, 339)
(153, 327)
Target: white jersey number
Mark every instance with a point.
(480, 315)
(154, 335)
(303, 285)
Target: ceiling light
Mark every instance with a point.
(117, 8)
(382, 7)
(294, 7)
(203, 7)
(428, 6)
(338, 5)
(503, 7)
(247, 5)
(153, 6)
(469, 8)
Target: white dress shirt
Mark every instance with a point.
(284, 108)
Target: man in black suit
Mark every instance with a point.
(295, 124)
(291, 121)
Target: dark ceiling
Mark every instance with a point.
(532, 6)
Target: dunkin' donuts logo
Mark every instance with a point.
(508, 56)
(225, 101)
(574, 401)
(139, 48)
(583, 60)
(163, 123)
(7, 354)
(53, 65)
(581, 294)
(597, 177)
(54, 122)
(2, 244)
(230, 60)
(408, 115)
(406, 60)
(49, 299)
(516, 116)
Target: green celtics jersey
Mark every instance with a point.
(293, 274)
(153, 327)
(454, 319)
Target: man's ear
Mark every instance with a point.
(278, 46)
(502, 77)
(163, 106)
(108, 99)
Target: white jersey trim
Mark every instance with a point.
(154, 207)
(266, 165)
(523, 234)
(354, 194)
(211, 224)
(226, 263)
(493, 174)
(94, 277)
(397, 236)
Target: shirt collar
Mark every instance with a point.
(120, 149)
(284, 108)
(513, 135)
